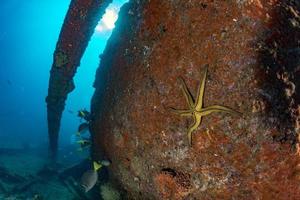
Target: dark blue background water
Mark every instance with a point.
(28, 34)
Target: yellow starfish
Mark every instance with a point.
(196, 109)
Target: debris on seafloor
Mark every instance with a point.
(67, 179)
(24, 186)
(14, 184)
(10, 177)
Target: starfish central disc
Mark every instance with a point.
(196, 109)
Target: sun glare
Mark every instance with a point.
(108, 20)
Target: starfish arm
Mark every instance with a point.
(200, 92)
(184, 113)
(187, 94)
(217, 108)
(197, 120)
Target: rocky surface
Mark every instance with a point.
(252, 52)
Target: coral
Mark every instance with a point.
(173, 185)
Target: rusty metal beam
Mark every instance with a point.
(78, 27)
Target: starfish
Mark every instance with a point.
(196, 109)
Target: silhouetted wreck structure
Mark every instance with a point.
(79, 24)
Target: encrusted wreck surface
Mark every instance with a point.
(252, 52)
(80, 22)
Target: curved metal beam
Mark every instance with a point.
(78, 27)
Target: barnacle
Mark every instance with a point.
(196, 109)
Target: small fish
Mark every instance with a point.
(82, 128)
(97, 165)
(90, 177)
(84, 114)
(84, 143)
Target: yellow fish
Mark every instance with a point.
(90, 177)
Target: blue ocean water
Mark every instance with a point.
(29, 31)
(28, 35)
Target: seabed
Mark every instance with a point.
(27, 175)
